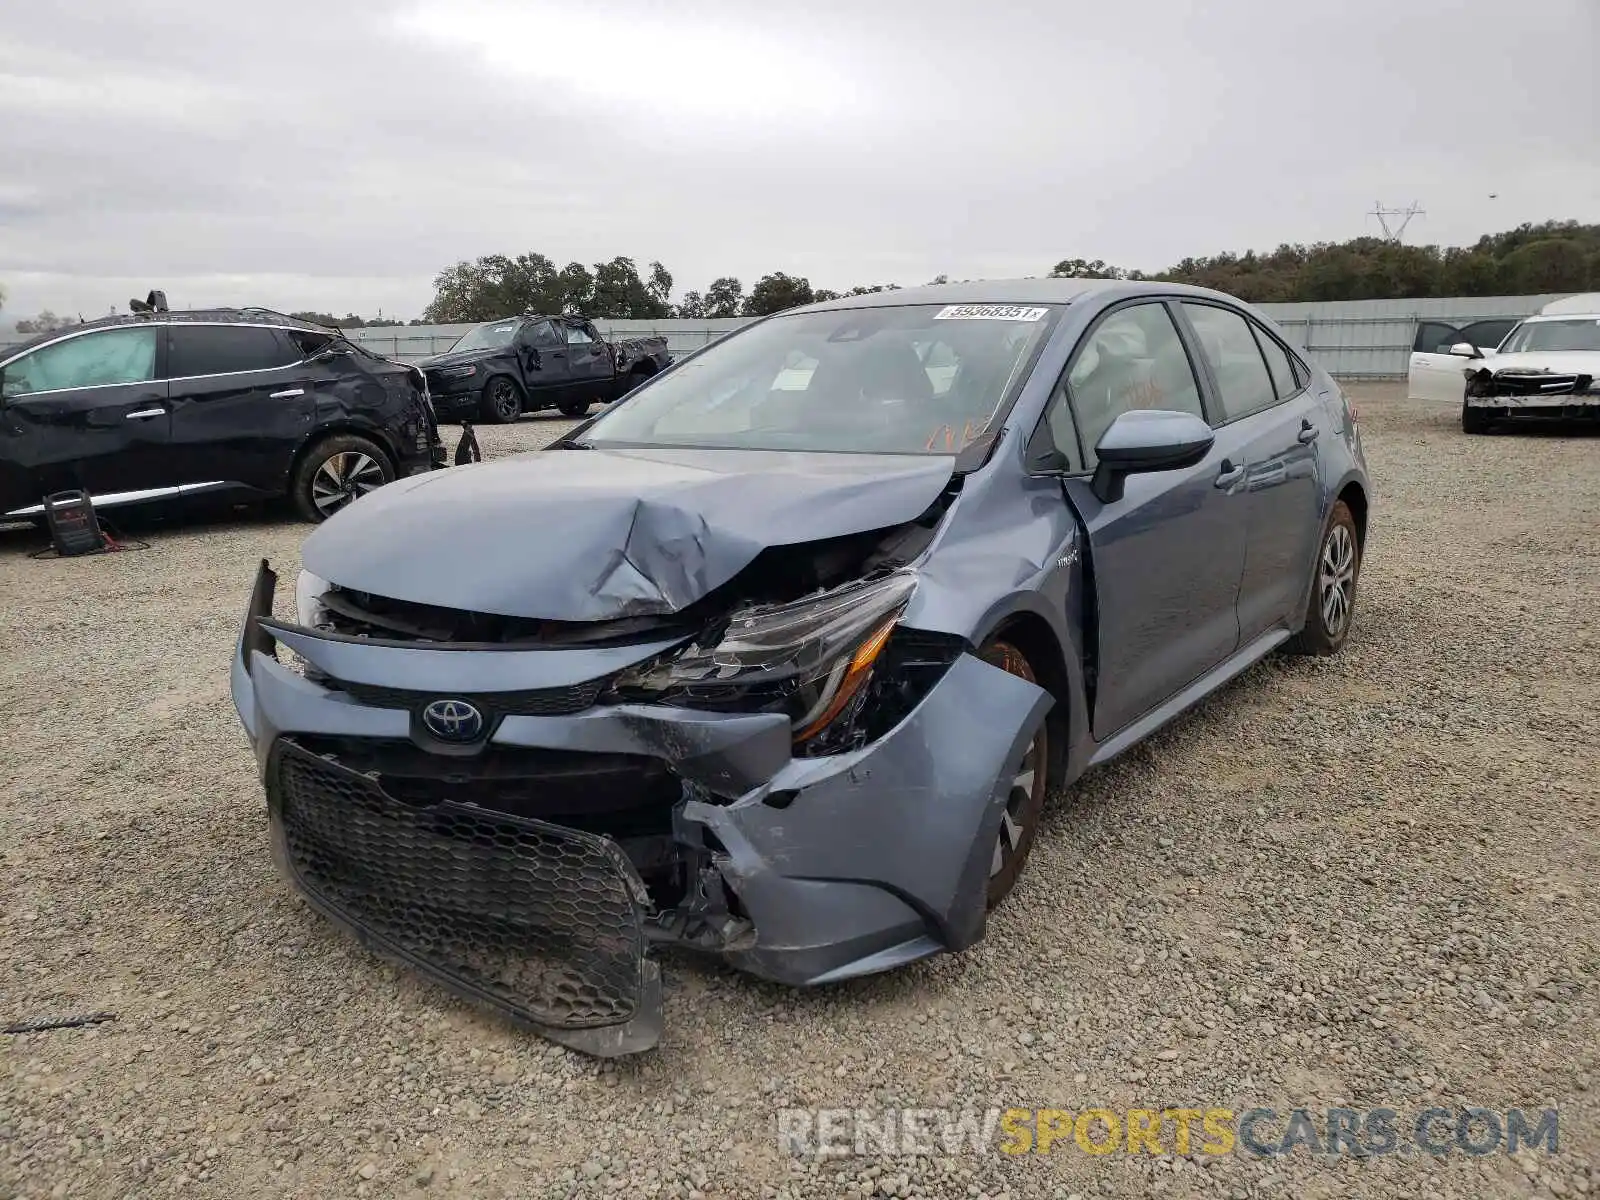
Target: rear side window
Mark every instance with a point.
(227, 350)
(1235, 360)
(1283, 374)
(92, 360)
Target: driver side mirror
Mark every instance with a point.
(1144, 439)
(1466, 350)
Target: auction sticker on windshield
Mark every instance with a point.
(989, 312)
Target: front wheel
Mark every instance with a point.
(1029, 785)
(1333, 587)
(335, 473)
(574, 408)
(1476, 420)
(502, 402)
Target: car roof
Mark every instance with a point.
(196, 316)
(1543, 317)
(1583, 304)
(1014, 291)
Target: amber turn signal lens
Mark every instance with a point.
(855, 675)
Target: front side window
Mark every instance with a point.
(1435, 337)
(102, 359)
(1577, 333)
(1486, 335)
(1235, 360)
(226, 350)
(543, 335)
(577, 335)
(1132, 359)
(910, 379)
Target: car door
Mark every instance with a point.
(542, 354)
(589, 360)
(1435, 373)
(1271, 424)
(89, 412)
(243, 401)
(1165, 558)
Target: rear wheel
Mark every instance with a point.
(1029, 785)
(336, 472)
(1476, 420)
(1333, 587)
(502, 402)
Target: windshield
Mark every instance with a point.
(1580, 333)
(914, 379)
(487, 337)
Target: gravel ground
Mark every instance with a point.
(1370, 880)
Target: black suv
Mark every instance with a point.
(243, 404)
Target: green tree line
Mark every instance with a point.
(1554, 256)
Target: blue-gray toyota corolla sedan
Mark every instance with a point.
(779, 658)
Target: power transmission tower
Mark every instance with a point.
(1400, 216)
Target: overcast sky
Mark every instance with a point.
(336, 156)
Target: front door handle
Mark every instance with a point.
(286, 393)
(1308, 433)
(1229, 475)
(144, 414)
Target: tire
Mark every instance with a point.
(1029, 787)
(574, 408)
(502, 400)
(335, 472)
(1476, 420)
(1336, 571)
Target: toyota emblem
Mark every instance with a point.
(453, 720)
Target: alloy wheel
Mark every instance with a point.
(342, 478)
(1025, 800)
(1336, 579)
(503, 399)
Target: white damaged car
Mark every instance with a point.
(1547, 368)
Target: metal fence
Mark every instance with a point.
(1354, 339)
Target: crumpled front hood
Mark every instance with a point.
(461, 358)
(1559, 362)
(591, 535)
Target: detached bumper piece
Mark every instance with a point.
(540, 922)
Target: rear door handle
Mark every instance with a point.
(144, 414)
(286, 393)
(1308, 433)
(1229, 475)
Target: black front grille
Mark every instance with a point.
(1532, 383)
(538, 702)
(543, 921)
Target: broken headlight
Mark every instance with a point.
(308, 592)
(808, 659)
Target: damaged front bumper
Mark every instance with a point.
(1550, 394)
(539, 869)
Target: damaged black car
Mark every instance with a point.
(782, 655)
